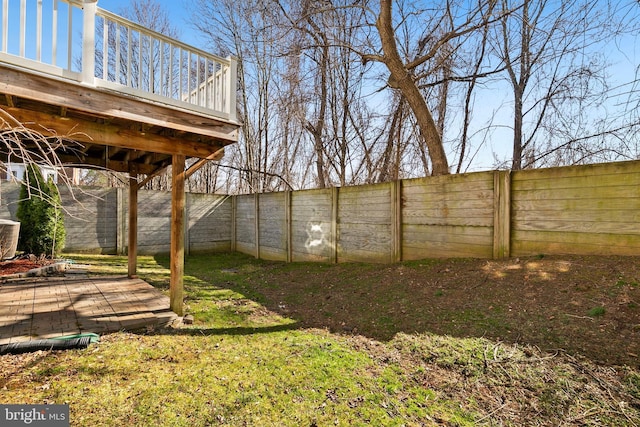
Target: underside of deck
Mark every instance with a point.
(100, 128)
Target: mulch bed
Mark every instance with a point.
(21, 265)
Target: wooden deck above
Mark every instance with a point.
(107, 129)
(132, 100)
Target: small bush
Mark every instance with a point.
(40, 214)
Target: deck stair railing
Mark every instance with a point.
(76, 40)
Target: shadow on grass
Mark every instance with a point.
(541, 302)
(238, 331)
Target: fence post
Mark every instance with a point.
(335, 195)
(121, 222)
(256, 206)
(89, 9)
(187, 225)
(501, 214)
(396, 221)
(288, 214)
(234, 210)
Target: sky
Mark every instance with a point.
(177, 9)
(625, 56)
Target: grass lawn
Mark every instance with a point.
(277, 344)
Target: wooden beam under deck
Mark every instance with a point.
(89, 131)
(110, 104)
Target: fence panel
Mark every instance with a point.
(272, 226)
(365, 228)
(154, 222)
(245, 226)
(91, 219)
(448, 216)
(209, 217)
(592, 209)
(312, 235)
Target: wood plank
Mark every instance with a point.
(613, 168)
(476, 218)
(335, 231)
(288, 224)
(593, 227)
(121, 221)
(154, 249)
(592, 190)
(297, 256)
(462, 199)
(272, 254)
(256, 225)
(630, 217)
(363, 255)
(430, 181)
(365, 216)
(111, 104)
(414, 235)
(576, 205)
(245, 248)
(234, 223)
(396, 220)
(372, 237)
(527, 243)
(378, 192)
(472, 182)
(581, 183)
(446, 250)
(273, 238)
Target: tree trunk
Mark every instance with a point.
(402, 80)
(516, 164)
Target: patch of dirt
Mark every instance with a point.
(583, 305)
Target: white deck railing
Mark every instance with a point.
(76, 40)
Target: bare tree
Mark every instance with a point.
(443, 35)
(556, 72)
(20, 144)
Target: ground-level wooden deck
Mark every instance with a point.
(49, 307)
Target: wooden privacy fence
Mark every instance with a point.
(96, 220)
(593, 209)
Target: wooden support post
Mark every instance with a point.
(133, 225)
(501, 214)
(176, 284)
